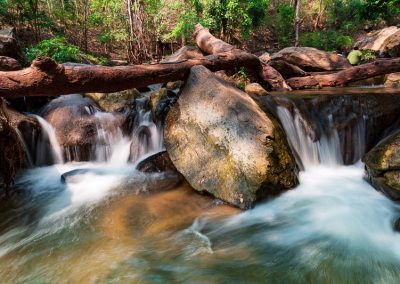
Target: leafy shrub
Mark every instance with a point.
(326, 40)
(58, 49)
(367, 55)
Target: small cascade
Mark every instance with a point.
(48, 139)
(146, 137)
(330, 131)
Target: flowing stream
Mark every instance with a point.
(108, 223)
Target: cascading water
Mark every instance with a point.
(92, 227)
(46, 139)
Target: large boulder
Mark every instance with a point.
(224, 144)
(77, 122)
(387, 38)
(311, 59)
(8, 44)
(383, 166)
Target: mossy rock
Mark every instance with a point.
(223, 143)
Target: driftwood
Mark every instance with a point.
(341, 78)
(212, 45)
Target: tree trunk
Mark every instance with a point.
(297, 24)
(47, 78)
(212, 45)
(341, 78)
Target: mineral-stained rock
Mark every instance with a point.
(223, 143)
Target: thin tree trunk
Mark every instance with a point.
(297, 24)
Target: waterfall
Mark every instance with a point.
(48, 138)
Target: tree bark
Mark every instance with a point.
(212, 45)
(341, 78)
(47, 78)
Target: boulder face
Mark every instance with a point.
(311, 59)
(383, 166)
(379, 40)
(223, 143)
(9, 45)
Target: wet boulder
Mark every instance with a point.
(311, 59)
(380, 40)
(383, 166)
(224, 144)
(77, 121)
(159, 162)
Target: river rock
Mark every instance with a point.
(265, 57)
(77, 120)
(286, 69)
(115, 102)
(311, 59)
(379, 40)
(159, 162)
(392, 80)
(383, 166)
(223, 143)
(255, 89)
(9, 64)
(9, 45)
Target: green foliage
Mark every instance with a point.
(367, 55)
(58, 49)
(326, 40)
(222, 17)
(284, 25)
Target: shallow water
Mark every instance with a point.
(108, 223)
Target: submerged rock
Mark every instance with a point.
(383, 166)
(311, 59)
(223, 143)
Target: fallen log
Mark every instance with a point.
(209, 44)
(47, 78)
(341, 78)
